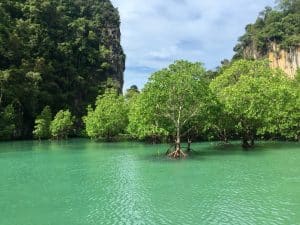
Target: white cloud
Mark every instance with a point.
(156, 32)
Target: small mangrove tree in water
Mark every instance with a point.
(62, 124)
(109, 118)
(173, 102)
(42, 124)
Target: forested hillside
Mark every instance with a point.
(59, 53)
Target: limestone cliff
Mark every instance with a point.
(251, 52)
(117, 56)
(287, 60)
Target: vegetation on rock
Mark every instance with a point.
(280, 25)
(58, 53)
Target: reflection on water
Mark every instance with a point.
(83, 182)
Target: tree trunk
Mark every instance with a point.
(189, 145)
(178, 140)
(248, 142)
(252, 142)
(245, 143)
(177, 153)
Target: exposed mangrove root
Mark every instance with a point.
(188, 149)
(172, 147)
(177, 154)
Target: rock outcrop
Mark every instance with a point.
(117, 56)
(287, 60)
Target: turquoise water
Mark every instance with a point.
(83, 182)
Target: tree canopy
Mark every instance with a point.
(109, 118)
(61, 125)
(173, 98)
(257, 98)
(42, 124)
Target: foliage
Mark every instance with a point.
(285, 121)
(142, 122)
(7, 123)
(173, 98)
(218, 122)
(42, 124)
(297, 76)
(61, 125)
(131, 92)
(109, 118)
(289, 5)
(258, 98)
(57, 53)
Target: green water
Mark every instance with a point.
(82, 182)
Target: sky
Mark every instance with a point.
(155, 33)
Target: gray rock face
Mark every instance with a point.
(117, 56)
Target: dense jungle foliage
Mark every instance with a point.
(57, 53)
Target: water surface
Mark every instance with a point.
(83, 182)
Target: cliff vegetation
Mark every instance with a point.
(58, 53)
(274, 35)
